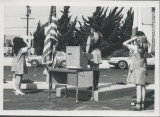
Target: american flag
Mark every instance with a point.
(51, 41)
(137, 24)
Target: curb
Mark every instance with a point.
(34, 85)
(106, 91)
(44, 85)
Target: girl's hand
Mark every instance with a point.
(126, 43)
(134, 38)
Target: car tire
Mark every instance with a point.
(34, 63)
(63, 64)
(122, 64)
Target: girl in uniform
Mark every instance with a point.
(19, 63)
(138, 66)
(93, 43)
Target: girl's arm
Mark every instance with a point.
(88, 45)
(25, 49)
(126, 43)
(28, 45)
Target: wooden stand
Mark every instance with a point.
(61, 75)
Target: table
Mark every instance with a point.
(72, 71)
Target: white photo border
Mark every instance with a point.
(82, 3)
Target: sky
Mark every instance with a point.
(14, 25)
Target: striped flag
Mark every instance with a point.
(137, 24)
(49, 50)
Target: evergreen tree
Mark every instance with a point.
(127, 26)
(66, 35)
(39, 38)
(125, 34)
(108, 26)
(66, 30)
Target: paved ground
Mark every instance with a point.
(106, 75)
(37, 100)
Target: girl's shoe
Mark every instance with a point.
(137, 107)
(133, 103)
(19, 92)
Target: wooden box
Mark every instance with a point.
(76, 58)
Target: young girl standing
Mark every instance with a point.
(138, 66)
(19, 63)
(93, 43)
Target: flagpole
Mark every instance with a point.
(49, 51)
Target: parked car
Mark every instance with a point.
(37, 60)
(122, 62)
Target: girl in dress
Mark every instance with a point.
(19, 63)
(93, 43)
(138, 66)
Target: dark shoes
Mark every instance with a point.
(95, 88)
(137, 106)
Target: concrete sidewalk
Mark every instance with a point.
(106, 90)
(44, 85)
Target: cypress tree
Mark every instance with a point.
(108, 26)
(39, 39)
(66, 30)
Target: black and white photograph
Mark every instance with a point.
(79, 58)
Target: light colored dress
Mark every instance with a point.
(137, 68)
(19, 62)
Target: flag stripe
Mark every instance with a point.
(47, 45)
(48, 50)
(48, 41)
(51, 28)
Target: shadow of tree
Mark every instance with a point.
(32, 91)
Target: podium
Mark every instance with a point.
(76, 58)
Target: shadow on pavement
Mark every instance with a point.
(32, 91)
(149, 98)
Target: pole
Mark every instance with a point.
(28, 26)
(27, 19)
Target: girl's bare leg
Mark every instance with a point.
(13, 81)
(139, 95)
(143, 95)
(18, 85)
